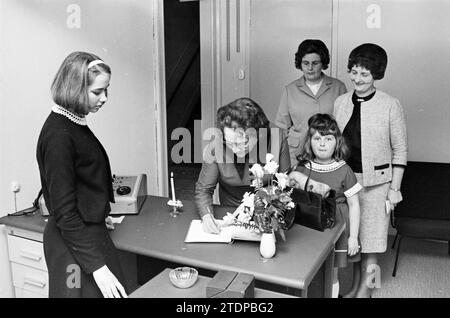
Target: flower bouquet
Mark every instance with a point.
(269, 209)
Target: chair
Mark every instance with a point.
(424, 212)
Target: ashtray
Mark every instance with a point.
(183, 277)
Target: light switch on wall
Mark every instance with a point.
(15, 186)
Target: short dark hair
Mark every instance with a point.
(245, 112)
(70, 85)
(325, 124)
(370, 56)
(312, 46)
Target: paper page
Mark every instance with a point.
(117, 220)
(243, 234)
(196, 234)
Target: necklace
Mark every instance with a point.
(71, 116)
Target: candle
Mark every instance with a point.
(173, 187)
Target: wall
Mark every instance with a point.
(276, 30)
(261, 47)
(415, 33)
(35, 36)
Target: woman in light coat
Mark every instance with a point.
(312, 93)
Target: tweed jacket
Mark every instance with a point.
(298, 104)
(383, 134)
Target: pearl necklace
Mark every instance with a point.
(71, 116)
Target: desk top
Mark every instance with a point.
(161, 287)
(34, 222)
(154, 233)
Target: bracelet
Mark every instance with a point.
(395, 190)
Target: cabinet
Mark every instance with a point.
(28, 267)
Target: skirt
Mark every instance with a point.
(66, 278)
(374, 221)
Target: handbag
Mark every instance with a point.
(312, 209)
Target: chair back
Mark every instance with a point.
(425, 191)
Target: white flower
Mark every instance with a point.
(244, 216)
(248, 199)
(271, 167)
(282, 179)
(269, 157)
(228, 219)
(257, 171)
(290, 205)
(256, 183)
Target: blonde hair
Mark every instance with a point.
(70, 85)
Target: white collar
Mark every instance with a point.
(317, 167)
(315, 87)
(314, 84)
(71, 116)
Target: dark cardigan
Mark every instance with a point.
(76, 183)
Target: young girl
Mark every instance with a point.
(76, 184)
(323, 152)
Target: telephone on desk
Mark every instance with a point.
(130, 193)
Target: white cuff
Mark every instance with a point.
(353, 190)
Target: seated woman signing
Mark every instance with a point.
(242, 137)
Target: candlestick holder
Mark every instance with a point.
(175, 207)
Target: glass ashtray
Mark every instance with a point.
(183, 277)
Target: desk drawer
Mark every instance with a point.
(30, 279)
(27, 252)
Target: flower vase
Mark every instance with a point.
(267, 247)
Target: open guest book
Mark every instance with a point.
(227, 234)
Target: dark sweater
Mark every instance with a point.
(232, 183)
(76, 183)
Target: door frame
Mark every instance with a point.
(209, 61)
(160, 98)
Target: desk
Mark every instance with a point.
(161, 287)
(154, 233)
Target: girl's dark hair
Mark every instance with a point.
(370, 56)
(312, 46)
(245, 112)
(70, 85)
(325, 124)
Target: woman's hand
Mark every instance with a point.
(297, 180)
(108, 283)
(353, 246)
(209, 224)
(394, 197)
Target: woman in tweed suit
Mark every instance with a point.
(374, 126)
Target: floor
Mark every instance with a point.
(423, 270)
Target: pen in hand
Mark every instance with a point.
(209, 223)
